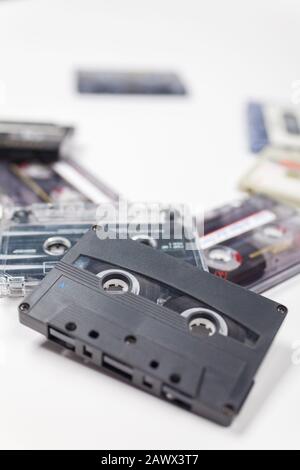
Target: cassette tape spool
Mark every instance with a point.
(253, 242)
(156, 323)
(34, 238)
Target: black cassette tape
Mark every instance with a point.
(28, 141)
(254, 242)
(157, 323)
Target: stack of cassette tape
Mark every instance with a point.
(127, 286)
(255, 240)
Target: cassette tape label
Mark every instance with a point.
(237, 228)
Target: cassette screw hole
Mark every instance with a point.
(282, 309)
(175, 378)
(130, 339)
(93, 334)
(24, 307)
(21, 216)
(229, 410)
(71, 326)
(154, 364)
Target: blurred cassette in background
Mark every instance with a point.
(116, 82)
(277, 177)
(273, 129)
(29, 141)
(36, 166)
(253, 242)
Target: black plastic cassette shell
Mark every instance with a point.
(217, 372)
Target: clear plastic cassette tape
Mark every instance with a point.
(254, 242)
(34, 238)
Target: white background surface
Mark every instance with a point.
(172, 149)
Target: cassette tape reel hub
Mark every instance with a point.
(56, 246)
(224, 257)
(116, 281)
(205, 322)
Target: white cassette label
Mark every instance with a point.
(237, 228)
